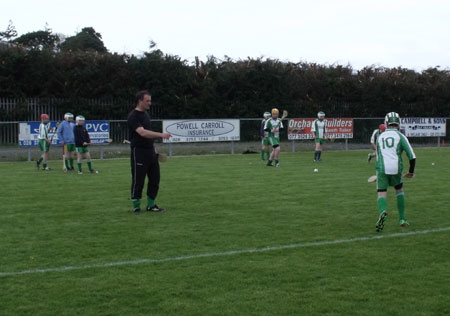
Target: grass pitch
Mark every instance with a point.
(238, 238)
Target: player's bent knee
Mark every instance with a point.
(398, 187)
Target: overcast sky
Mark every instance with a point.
(413, 34)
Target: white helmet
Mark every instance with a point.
(80, 118)
(68, 116)
(320, 114)
(266, 115)
(392, 118)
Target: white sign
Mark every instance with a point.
(423, 126)
(201, 130)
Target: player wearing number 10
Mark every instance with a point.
(390, 146)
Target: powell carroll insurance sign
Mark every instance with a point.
(202, 130)
(299, 128)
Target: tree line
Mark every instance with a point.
(47, 65)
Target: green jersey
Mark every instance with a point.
(273, 124)
(262, 131)
(43, 131)
(390, 146)
(374, 137)
(319, 128)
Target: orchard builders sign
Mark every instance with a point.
(300, 128)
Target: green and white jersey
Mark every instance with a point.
(273, 124)
(374, 137)
(319, 128)
(43, 131)
(263, 125)
(390, 146)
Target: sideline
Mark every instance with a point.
(222, 253)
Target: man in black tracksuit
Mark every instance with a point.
(144, 160)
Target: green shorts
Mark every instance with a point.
(82, 150)
(320, 140)
(388, 180)
(265, 142)
(69, 147)
(43, 145)
(274, 141)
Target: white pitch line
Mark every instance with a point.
(223, 253)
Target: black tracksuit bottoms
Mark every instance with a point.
(144, 162)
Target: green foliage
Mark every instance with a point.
(39, 40)
(9, 33)
(83, 69)
(219, 204)
(86, 40)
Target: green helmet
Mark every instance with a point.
(67, 116)
(79, 118)
(392, 118)
(266, 115)
(320, 114)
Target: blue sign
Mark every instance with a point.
(29, 131)
(98, 131)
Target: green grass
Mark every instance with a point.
(218, 204)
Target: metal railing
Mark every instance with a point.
(363, 128)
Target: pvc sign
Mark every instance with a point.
(29, 131)
(336, 128)
(202, 130)
(423, 127)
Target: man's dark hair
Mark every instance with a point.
(140, 96)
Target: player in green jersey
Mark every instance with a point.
(390, 146)
(82, 141)
(273, 127)
(319, 130)
(44, 142)
(373, 141)
(264, 139)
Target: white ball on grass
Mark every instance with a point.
(316, 170)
